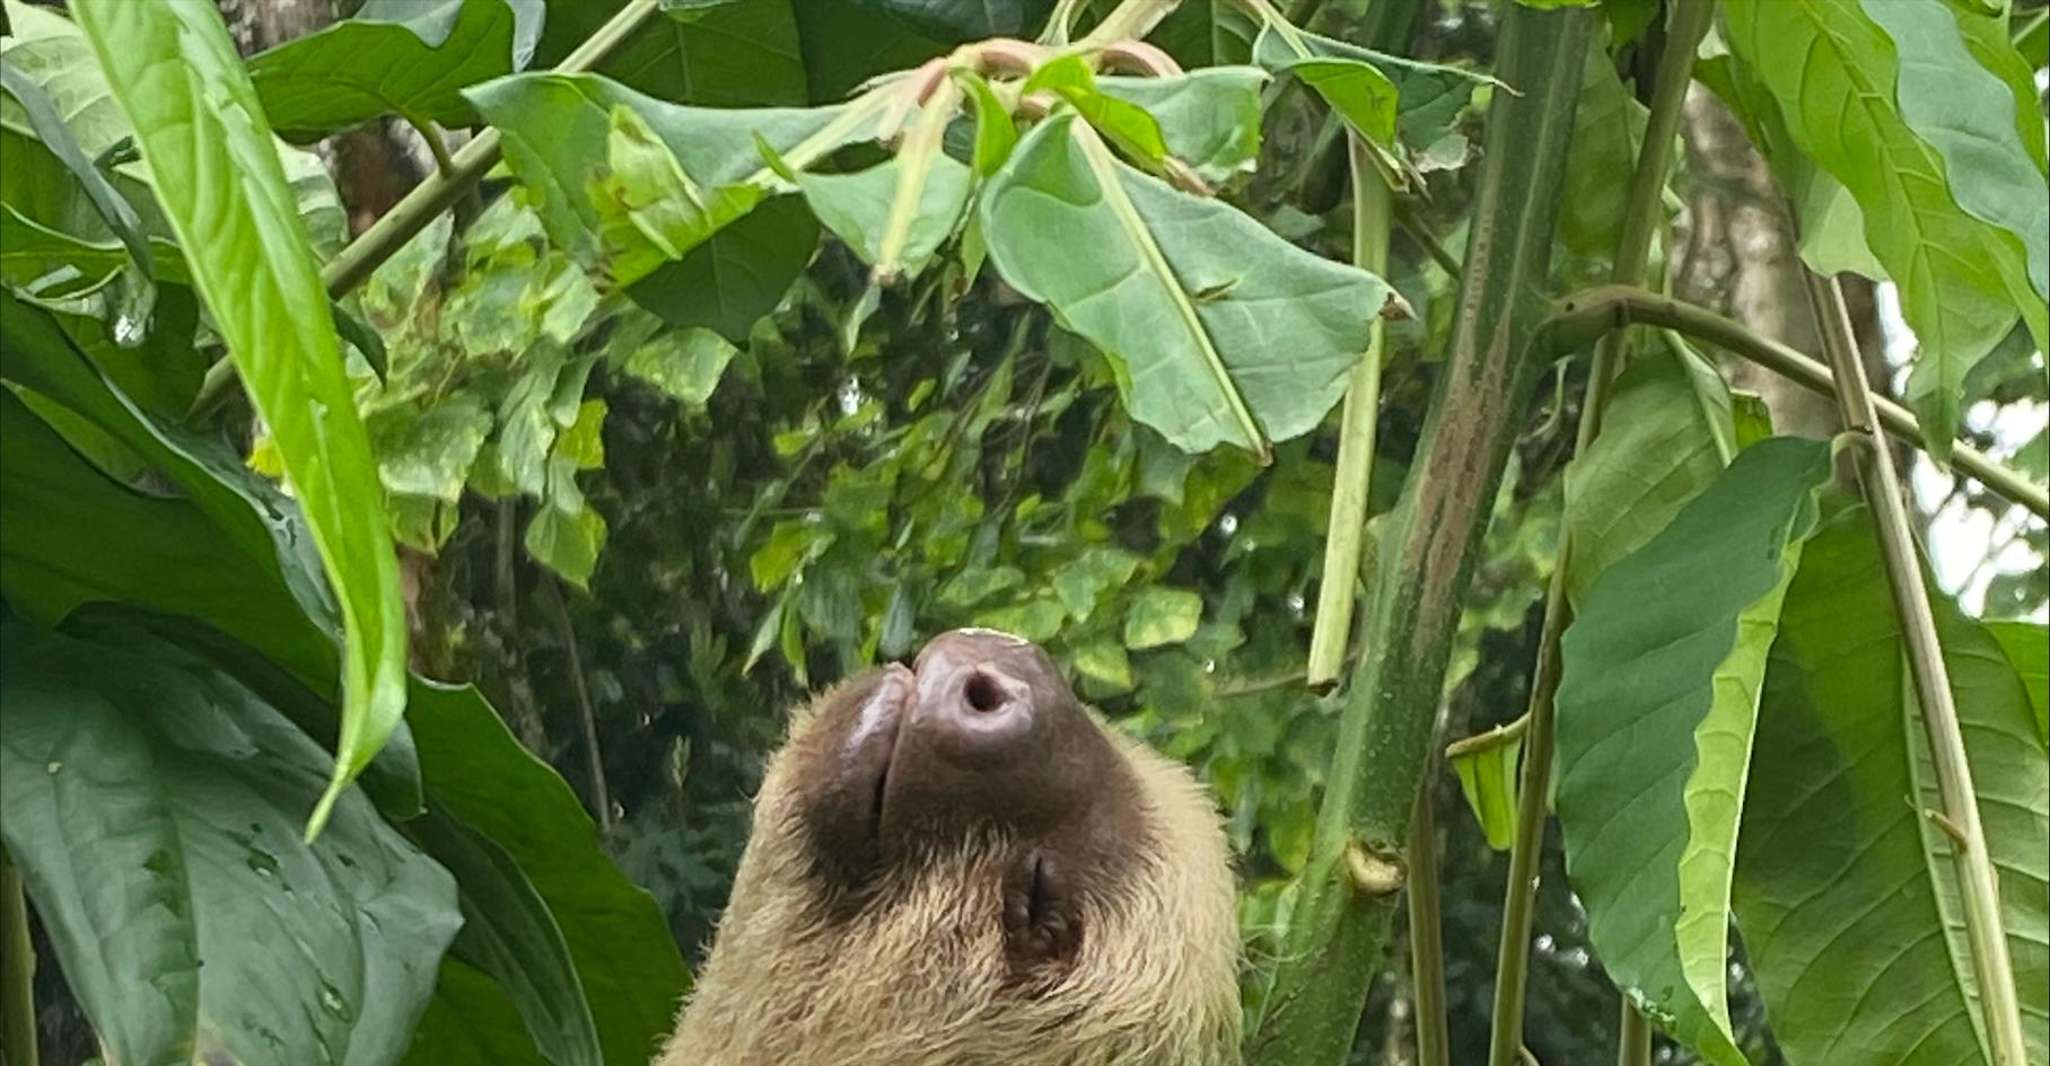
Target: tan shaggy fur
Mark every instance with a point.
(919, 979)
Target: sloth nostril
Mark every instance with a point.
(983, 693)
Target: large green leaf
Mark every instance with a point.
(202, 132)
(1831, 227)
(1834, 73)
(560, 132)
(1658, 700)
(1209, 118)
(509, 933)
(1967, 114)
(627, 962)
(51, 51)
(1185, 295)
(227, 549)
(1845, 891)
(2027, 645)
(736, 53)
(1607, 128)
(471, 1021)
(154, 807)
(1668, 433)
(394, 57)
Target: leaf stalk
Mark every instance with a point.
(1978, 888)
(17, 970)
(1589, 313)
(1372, 203)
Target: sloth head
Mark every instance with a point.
(956, 863)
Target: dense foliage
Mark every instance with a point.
(789, 333)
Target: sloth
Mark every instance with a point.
(957, 864)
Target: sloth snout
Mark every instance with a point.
(981, 694)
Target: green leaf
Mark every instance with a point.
(153, 805)
(394, 57)
(429, 453)
(1670, 437)
(1355, 88)
(1489, 777)
(686, 364)
(509, 933)
(1429, 96)
(1845, 891)
(1208, 119)
(227, 549)
(210, 153)
(1658, 701)
(856, 207)
(1037, 620)
(976, 584)
(1183, 294)
(1104, 663)
(649, 210)
(52, 51)
(1160, 616)
(1608, 126)
(50, 128)
(1081, 582)
(559, 131)
(1834, 74)
(1968, 114)
(1124, 124)
(2027, 645)
(471, 1021)
(745, 53)
(1831, 227)
(625, 957)
(566, 533)
(995, 133)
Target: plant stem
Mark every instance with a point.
(1338, 930)
(1129, 21)
(1633, 1037)
(1640, 222)
(17, 970)
(594, 760)
(1977, 887)
(1587, 314)
(1372, 200)
(1426, 935)
(451, 179)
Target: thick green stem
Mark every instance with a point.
(1372, 200)
(1339, 928)
(17, 971)
(1586, 315)
(1978, 889)
(1426, 936)
(1633, 1037)
(453, 176)
(1640, 223)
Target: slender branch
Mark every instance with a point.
(427, 200)
(1633, 1037)
(17, 970)
(1349, 483)
(1689, 22)
(1977, 886)
(1587, 314)
(1337, 932)
(594, 761)
(1426, 935)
